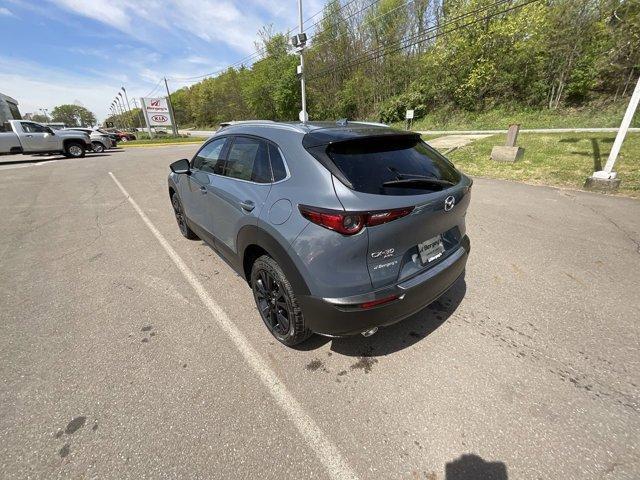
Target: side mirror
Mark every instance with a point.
(181, 166)
(50, 131)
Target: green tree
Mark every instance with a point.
(39, 118)
(73, 115)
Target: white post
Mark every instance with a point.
(303, 114)
(607, 172)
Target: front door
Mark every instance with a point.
(194, 188)
(37, 138)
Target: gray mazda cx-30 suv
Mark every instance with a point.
(338, 228)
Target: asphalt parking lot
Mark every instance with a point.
(114, 366)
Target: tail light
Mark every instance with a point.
(350, 223)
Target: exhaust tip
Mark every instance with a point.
(371, 331)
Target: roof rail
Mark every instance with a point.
(261, 123)
(377, 124)
(240, 122)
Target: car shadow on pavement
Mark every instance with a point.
(399, 335)
(49, 158)
(473, 467)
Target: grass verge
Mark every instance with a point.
(564, 160)
(593, 116)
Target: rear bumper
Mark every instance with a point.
(340, 316)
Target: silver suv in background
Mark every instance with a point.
(338, 228)
(99, 141)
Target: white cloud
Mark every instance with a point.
(5, 12)
(101, 10)
(198, 60)
(154, 22)
(36, 87)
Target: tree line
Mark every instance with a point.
(375, 59)
(69, 114)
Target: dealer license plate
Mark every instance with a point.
(431, 249)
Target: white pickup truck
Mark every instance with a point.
(23, 136)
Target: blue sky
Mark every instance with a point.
(83, 51)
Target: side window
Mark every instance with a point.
(208, 159)
(277, 164)
(5, 127)
(248, 159)
(33, 128)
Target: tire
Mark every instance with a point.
(97, 147)
(274, 298)
(74, 150)
(181, 218)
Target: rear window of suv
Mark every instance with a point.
(392, 166)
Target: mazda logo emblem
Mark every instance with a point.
(449, 202)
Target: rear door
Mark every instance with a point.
(238, 192)
(394, 174)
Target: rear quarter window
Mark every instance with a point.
(369, 163)
(277, 164)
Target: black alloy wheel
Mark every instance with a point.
(272, 304)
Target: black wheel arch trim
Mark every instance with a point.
(254, 235)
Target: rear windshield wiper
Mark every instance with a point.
(418, 182)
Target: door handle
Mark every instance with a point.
(203, 190)
(247, 205)
(29, 136)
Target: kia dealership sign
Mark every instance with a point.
(157, 112)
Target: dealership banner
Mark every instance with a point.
(156, 112)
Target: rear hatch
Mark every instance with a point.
(390, 172)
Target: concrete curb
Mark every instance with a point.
(523, 130)
(141, 145)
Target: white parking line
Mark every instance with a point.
(325, 450)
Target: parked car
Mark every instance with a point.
(122, 135)
(23, 136)
(114, 137)
(99, 141)
(338, 228)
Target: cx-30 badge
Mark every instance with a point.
(449, 202)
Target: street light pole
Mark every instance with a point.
(126, 98)
(44, 111)
(128, 106)
(127, 120)
(304, 116)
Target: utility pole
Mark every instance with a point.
(606, 178)
(301, 41)
(173, 115)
